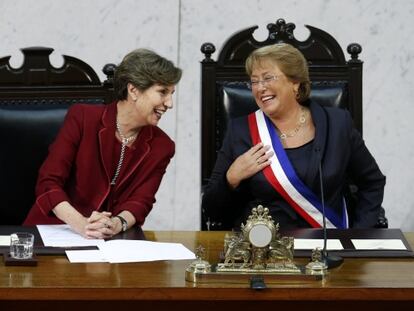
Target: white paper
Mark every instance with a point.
(64, 236)
(117, 251)
(331, 244)
(85, 256)
(391, 244)
(4, 240)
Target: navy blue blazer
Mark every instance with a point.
(344, 158)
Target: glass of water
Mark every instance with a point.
(21, 245)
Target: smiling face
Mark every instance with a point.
(274, 93)
(152, 103)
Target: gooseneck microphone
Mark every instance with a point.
(329, 260)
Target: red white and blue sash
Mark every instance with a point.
(283, 178)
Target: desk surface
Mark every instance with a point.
(55, 279)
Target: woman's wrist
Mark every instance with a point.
(118, 224)
(69, 215)
(124, 223)
(231, 181)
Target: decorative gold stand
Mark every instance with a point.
(257, 253)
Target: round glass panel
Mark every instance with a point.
(260, 235)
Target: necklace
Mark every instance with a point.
(124, 142)
(302, 121)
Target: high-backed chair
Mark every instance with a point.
(335, 81)
(33, 102)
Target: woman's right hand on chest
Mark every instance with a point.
(248, 164)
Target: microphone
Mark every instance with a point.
(329, 260)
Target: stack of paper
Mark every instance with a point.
(304, 244)
(379, 244)
(4, 240)
(118, 251)
(113, 251)
(64, 236)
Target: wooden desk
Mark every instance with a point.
(55, 284)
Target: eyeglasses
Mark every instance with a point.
(265, 82)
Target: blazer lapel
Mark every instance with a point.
(107, 138)
(321, 132)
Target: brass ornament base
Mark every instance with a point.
(244, 276)
(272, 268)
(259, 255)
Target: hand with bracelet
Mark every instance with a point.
(103, 225)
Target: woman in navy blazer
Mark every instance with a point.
(107, 162)
(275, 157)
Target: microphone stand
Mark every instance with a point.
(330, 261)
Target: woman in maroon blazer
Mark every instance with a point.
(107, 162)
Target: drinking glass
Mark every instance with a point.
(21, 245)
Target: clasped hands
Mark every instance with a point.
(101, 225)
(248, 164)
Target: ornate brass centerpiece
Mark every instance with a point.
(259, 246)
(258, 249)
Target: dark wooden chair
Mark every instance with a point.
(33, 102)
(225, 94)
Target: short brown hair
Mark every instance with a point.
(144, 68)
(290, 61)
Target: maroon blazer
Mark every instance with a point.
(81, 164)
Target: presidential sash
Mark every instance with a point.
(283, 178)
